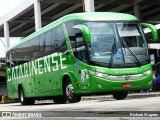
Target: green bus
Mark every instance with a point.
(80, 54)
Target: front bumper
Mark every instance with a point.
(104, 85)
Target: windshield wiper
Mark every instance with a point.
(125, 45)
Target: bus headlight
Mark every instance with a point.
(92, 73)
(147, 72)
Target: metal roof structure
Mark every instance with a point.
(32, 14)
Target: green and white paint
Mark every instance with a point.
(42, 65)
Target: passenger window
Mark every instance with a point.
(26, 51)
(71, 31)
(80, 51)
(7, 59)
(12, 58)
(34, 49)
(48, 43)
(42, 44)
(20, 51)
(58, 40)
(76, 40)
(18, 55)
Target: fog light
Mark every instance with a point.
(149, 82)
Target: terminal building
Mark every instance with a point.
(31, 15)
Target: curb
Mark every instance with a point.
(130, 96)
(5, 99)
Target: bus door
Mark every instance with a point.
(80, 53)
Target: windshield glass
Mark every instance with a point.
(102, 40)
(134, 45)
(116, 44)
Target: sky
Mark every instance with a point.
(5, 7)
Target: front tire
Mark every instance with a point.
(69, 93)
(23, 100)
(120, 95)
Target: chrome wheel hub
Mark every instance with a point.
(69, 91)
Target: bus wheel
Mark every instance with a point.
(70, 96)
(120, 95)
(23, 100)
(59, 99)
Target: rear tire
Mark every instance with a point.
(69, 93)
(120, 95)
(23, 100)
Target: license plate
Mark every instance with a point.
(127, 85)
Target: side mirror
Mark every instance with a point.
(85, 32)
(153, 30)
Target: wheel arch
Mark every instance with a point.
(72, 78)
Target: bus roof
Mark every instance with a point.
(86, 16)
(101, 16)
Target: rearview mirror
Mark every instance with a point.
(153, 30)
(85, 31)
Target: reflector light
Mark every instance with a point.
(127, 85)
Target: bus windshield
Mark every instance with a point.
(117, 44)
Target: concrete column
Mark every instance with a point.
(6, 35)
(37, 14)
(137, 11)
(89, 5)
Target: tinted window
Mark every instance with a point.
(71, 31)
(34, 48)
(54, 38)
(26, 51)
(18, 55)
(13, 54)
(58, 39)
(9, 60)
(76, 40)
(80, 51)
(48, 42)
(42, 45)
